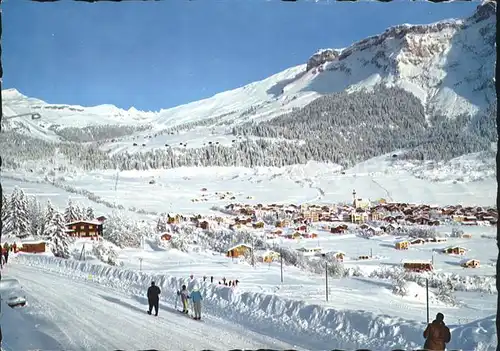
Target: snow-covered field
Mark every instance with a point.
(361, 312)
(179, 190)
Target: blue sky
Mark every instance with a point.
(154, 55)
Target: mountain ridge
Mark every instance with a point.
(299, 82)
(440, 77)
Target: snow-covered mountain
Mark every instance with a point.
(436, 74)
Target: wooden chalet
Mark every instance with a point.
(470, 263)
(417, 241)
(268, 256)
(309, 251)
(85, 229)
(166, 236)
(340, 229)
(238, 250)
(455, 250)
(418, 266)
(402, 245)
(32, 246)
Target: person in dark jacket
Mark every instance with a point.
(437, 334)
(153, 298)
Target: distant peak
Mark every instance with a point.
(12, 93)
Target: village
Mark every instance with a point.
(312, 223)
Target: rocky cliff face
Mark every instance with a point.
(322, 56)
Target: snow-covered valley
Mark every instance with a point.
(325, 167)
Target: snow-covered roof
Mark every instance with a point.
(32, 242)
(402, 241)
(239, 245)
(93, 221)
(417, 261)
(455, 247)
(466, 260)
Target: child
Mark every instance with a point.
(184, 295)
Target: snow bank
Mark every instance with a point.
(273, 315)
(13, 321)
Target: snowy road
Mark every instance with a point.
(93, 317)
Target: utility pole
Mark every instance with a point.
(140, 264)
(253, 249)
(427, 297)
(281, 265)
(326, 276)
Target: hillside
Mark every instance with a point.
(425, 89)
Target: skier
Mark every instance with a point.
(184, 295)
(196, 298)
(153, 298)
(6, 255)
(437, 334)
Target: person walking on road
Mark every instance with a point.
(196, 298)
(184, 295)
(154, 298)
(437, 334)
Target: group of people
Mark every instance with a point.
(437, 334)
(154, 292)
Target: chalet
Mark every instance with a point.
(268, 256)
(85, 229)
(338, 229)
(402, 245)
(436, 239)
(309, 251)
(469, 220)
(173, 219)
(258, 225)
(374, 231)
(309, 235)
(470, 263)
(338, 255)
(238, 250)
(358, 217)
(204, 225)
(421, 220)
(417, 241)
(166, 236)
(295, 235)
(417, 265)
(101, 219)
(33, 246)
(454, 250)
(277, 232)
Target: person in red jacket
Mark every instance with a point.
(437, 334)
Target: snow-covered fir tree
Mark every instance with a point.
(400, 286)
(71, 213)
(17, 222)
(161, 224)
(89, 214)
(446, 294)
(49, 212)
(105, 253)
(56, 233)
(4, 209)
(36, 217)
(122, 231)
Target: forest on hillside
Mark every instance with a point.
(340, 128)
